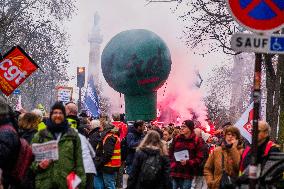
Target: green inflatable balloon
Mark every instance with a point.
(137, 63)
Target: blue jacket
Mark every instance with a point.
(133, 139)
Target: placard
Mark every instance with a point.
(181, 155)
(64, 94)
(46, 150)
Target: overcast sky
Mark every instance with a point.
(120, 15)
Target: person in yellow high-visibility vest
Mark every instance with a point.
(72, 112)
(41, 125)
(108, 157)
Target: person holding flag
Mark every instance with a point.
(265, 147)
(53, 173)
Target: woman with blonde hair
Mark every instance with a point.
(151, 165)
(167, 137)
(28, 124)
(224, 159)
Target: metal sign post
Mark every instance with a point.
(259, 17)
(253, 169)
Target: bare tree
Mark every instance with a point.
(219, 85)
(281, 112)
(208, 23)
(36, 25)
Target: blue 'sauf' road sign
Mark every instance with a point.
(277, 44)
(244, 42)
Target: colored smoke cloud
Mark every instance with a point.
(181, 94)
(180, 97)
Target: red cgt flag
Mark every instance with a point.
(15, 67)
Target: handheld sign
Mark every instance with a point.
(64, 94)
(258, 15)
(15, 67)
(47, 150)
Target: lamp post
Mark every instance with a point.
(80, 84)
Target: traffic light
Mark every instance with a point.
(80, 77)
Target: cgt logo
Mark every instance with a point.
(12, 72)
(248, 126)
(15, 67)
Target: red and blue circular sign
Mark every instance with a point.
(258, 15)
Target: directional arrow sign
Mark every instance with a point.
(243, 42)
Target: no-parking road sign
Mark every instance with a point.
(258, 15)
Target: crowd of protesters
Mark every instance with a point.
(100, 152)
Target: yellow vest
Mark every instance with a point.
(41, 126)
(72, 123)
(115, 160)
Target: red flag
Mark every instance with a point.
(245, 123)
(73, 180)
(15, 67)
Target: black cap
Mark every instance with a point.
(59, 106)
(189, 124)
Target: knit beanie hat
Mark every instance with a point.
(205, 136)
(189, 124)
(59, 106)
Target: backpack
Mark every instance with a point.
(150, 169)
(24, 159)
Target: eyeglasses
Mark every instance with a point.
(57, 113)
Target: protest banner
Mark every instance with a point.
(15, 67)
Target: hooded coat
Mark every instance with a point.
(55, 175)
(163, 179)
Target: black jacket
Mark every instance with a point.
(261, 159)
(94, 138)
(260, 154)
(104, 152)
(27, 134)
(200, 168)
(162, 181)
